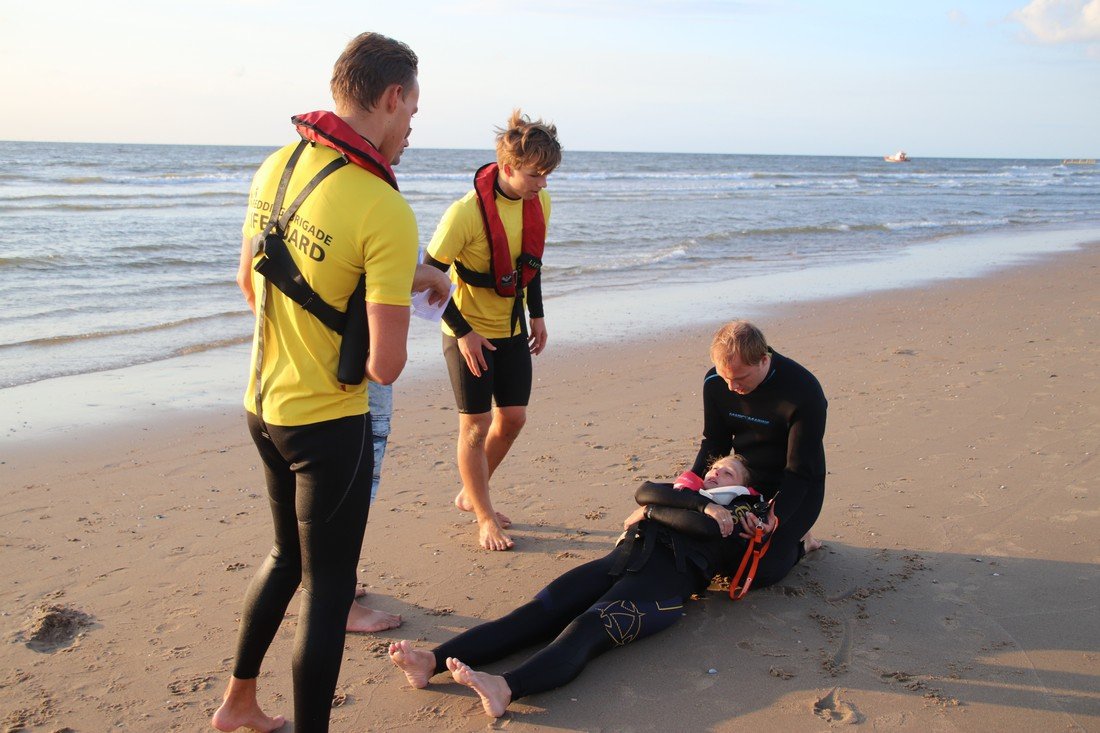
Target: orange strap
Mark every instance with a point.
(742, 580)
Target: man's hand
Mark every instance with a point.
(427, 277)
(750, 522)
(635, 516)
(720, 514)
(537, 340)
(471, 347)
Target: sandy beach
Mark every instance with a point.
(958, 588)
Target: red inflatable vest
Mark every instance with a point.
(325, 128)
(534, 237)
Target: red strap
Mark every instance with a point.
(742, 580)
(533, 238)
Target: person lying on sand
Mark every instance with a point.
(675, 542)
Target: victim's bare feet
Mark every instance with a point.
(365, 620)
(239, 709)
(417, 664)
(492, 537)
(466, 505)
(492, 689)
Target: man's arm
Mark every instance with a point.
(536, 339)
(693, 524)
(244, 274)
(389, 328)
(660, 494)
(451, 316)
(805, 470)
(717, 437)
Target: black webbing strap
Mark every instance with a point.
(486, 280)
(278, 268)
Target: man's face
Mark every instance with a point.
(397, 158)
(521, 183)
(742, 378)
(398, 139)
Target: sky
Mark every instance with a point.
(958, 78)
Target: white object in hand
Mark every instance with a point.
(421, 308)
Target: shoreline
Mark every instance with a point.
(210, 381)
(955, 590)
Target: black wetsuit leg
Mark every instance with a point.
(593, 612)
(639, 604)
(318, 481)
(786, 548)
(539, 620)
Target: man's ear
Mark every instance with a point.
(392, 96)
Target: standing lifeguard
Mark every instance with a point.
(492, 239)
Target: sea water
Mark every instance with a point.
(118, 255)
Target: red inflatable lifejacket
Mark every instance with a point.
(326, 128)
(502, 272)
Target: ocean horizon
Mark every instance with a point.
(114, 255)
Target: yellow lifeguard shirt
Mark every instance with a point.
(353, 222)
(461, 236)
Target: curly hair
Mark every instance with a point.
(527, 143)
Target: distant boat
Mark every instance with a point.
(898, 157)
(1079, 161)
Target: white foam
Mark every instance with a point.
(216, 379)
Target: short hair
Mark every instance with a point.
(740, 339)
(528, 143)
(734, 458)
(370, 64)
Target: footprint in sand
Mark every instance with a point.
(54, 627)
(834, 710)
(197, 683)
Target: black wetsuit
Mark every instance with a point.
(779, 428)
(636, 590)
(318, 483)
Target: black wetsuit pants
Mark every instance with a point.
(588, 611)
(318, 484)
(786, 547)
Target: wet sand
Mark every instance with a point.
(958, 588)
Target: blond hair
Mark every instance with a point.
(738, 339)
(526, 143)
(731, 459)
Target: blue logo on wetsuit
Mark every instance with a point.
(749, 418)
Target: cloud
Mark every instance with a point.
(958, 17)
(1061, 21)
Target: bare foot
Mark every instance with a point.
(360, 591)
(417, 664)
(365, 620)
(492, 537)
(464, 505)
(492, 689)
(811, 543)
(239, 709)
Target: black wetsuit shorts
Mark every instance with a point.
(506, 380)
